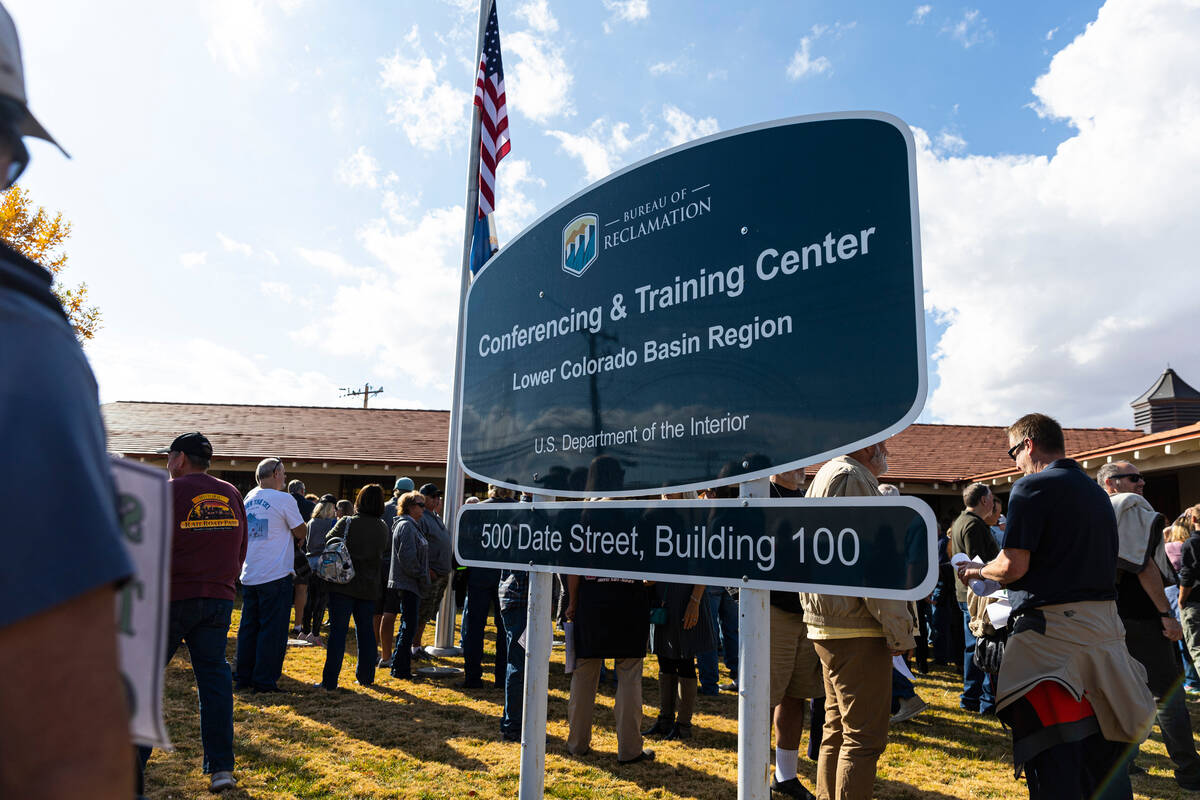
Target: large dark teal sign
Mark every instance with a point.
(744, 304)
(864, 547)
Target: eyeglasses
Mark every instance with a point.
(20, 159)
(1133, 476)
(1016, 448)
(422, 505)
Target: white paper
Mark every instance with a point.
(901, 666)
(144, 507)
(982, 587)
(999, 611)
(569, 653)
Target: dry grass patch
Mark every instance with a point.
(426, 739)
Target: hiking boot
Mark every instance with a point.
(221, 781)
(661, 727)
(909, 708)
(680, 730)
(792, 787)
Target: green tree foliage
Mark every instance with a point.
(39, 237)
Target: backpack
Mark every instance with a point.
(335, 565)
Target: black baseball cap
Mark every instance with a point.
(429, 490)
(190, 444)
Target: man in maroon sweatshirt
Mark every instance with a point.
(209, 546)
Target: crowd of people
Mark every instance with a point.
(1071, 618)
(1076, 615)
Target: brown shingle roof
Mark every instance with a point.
(301, 433)
(1084, 452)
(921, 453)
(925, 453)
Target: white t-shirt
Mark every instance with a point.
(270, 517)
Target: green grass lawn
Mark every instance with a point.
(426, 739)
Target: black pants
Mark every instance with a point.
(315, 605)
(681, 667)
(1091, 769)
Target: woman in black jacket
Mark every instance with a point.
(366, 537)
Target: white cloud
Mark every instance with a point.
(803, 64)
(667, 68)
(514, 208)
(430, 111)
(626, 11)
(919, 14)
(333, 263)
(684, 128)
(1050, 33)
(969, 31)
(360, 169)
(283, 292)
(148, 368)
(369, 316)
(234, 246)
(538, 16)
(536, 76)
(238, 33)
(194, 259)
(1045, 267)
(949, 143)
(602, 147)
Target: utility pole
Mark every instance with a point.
(366, 392)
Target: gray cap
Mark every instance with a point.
(12, 80)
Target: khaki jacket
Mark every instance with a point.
(845, 477)
(1082, 647)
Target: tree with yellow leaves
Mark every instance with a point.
(39, 237)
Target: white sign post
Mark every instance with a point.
(754, 679)
(144, 508)
(539, 638)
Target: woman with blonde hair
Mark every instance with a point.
(323, 517)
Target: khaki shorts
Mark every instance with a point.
(795, 668)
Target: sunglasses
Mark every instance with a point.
(1133, 476)
(1016, 448)
(20, 159)
(422, 505)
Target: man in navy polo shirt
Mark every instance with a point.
(1068, 688)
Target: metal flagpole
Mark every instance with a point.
(754, 679)
(444, 632)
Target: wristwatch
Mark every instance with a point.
(1166, 615)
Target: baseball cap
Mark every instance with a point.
(404, 485)
(191, 444)
(12, 81)
(429, 490)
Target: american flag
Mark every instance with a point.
(489, 96)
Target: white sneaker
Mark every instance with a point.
(222, 781)
(909, 708)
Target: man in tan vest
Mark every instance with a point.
(855, 638)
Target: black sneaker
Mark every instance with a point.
(792, 787)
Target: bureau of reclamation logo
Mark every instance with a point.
(580, 244)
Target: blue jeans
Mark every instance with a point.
(410, 614)
(262, 636)
(902, 687)
(482, 598)
(1191, 680)
(514, 674)
(979, 689)
(724, 611)
(203, 623)
(341, 608)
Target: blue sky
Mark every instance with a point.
(267, 195)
